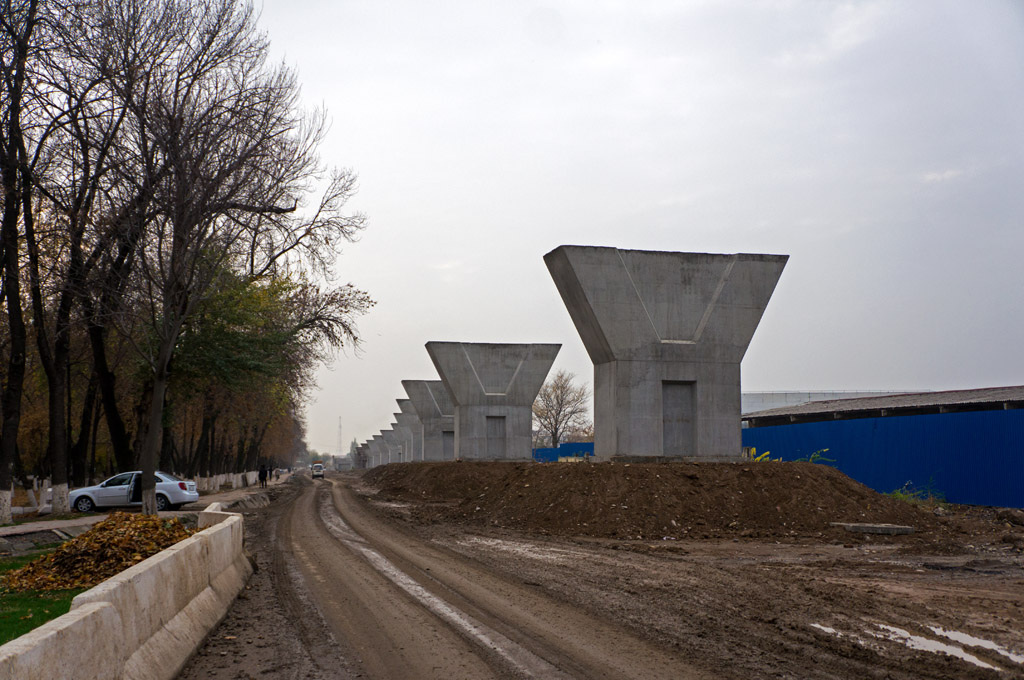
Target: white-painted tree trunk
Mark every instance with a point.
(5, 506)
(59, 503)
(149, 502)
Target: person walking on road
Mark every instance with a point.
(263, 476)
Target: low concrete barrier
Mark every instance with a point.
(237, 480)
(144, 623)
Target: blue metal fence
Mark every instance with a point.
(972, 457)
(575, 449)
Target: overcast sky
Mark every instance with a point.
(879, 144)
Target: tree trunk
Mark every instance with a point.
(56, 382)
(92, 448)
(202, 464)
(120, 439)
(166, 449)
(12, 146)
(253, 457)
(80, 449)
(149, 450)
(10, 401)
(191, 452)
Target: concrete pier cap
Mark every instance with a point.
(434, 407)
(408, 418)
(666, 332)
(492, 387)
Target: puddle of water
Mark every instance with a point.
(965, 639)
(853, 637)
(927, 645)
(525, 549)
(831, 631)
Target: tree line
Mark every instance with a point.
(168, 241)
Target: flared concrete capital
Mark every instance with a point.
(401, 426)
(407, 420)
(405, 406)
(429, 398)
(478, 374)
(653, 305)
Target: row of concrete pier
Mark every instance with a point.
(666, 332)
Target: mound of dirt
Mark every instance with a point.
(642, 500)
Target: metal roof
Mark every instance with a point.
(985, 399)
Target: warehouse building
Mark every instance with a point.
(964, 445)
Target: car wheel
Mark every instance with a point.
(84, 504)
(162, 503)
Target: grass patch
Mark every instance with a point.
(22, 612)
(9, 563)
(923, 496)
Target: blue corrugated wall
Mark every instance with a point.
(579, 449)
(973, 457)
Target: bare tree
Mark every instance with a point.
(227, 157)
(561, 407)
(77, 122)
(19, 22)
(147, 150)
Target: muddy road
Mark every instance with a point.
(350, 586)
(342, 592)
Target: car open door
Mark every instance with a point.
(135, 492)
(114, 491)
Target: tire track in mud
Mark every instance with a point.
(521, 661)
(341, 593)
(318, 643)
(561, 635)
(272, 630)
(385, 632)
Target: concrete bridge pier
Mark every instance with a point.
(666, 332)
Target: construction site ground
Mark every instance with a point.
(612, 570)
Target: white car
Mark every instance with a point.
(124, 490)
(318, 471)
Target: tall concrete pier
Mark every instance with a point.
(492, 387)
(405, 435)
(408, 419)
(378, 451)
(360, 460)
(436, 412)
(393, 444)
(666, 332)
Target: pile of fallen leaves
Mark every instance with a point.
(110, 547)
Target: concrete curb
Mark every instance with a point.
(146, 622)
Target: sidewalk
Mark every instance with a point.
(62, 529)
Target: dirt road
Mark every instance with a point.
(352, 586)
(341, 592)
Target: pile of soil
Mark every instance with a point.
(642, 500)
(110, 547)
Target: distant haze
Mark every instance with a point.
(880, 144)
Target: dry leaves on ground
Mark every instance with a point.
(113, 545)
